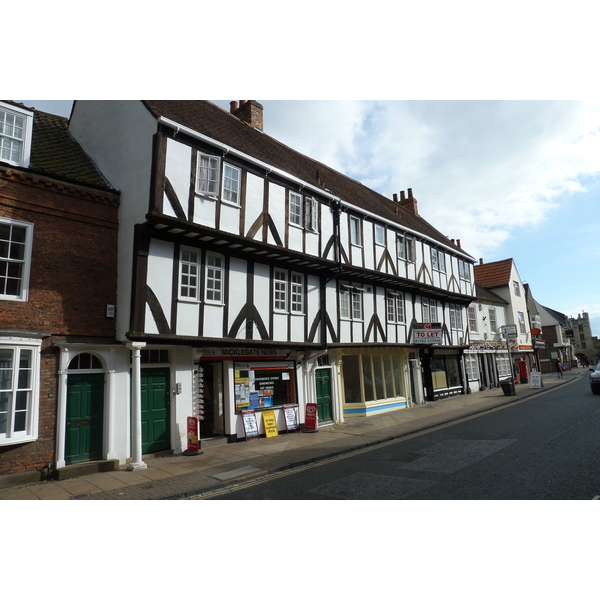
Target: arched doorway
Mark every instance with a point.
(85, 409)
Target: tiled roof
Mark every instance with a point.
(495, 274)
(211, 120)
(56, 154)
(488, 296)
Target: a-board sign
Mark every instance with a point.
(192, 434)
(250, 424)
(270, 423)
(536, 379)
(310, 421)
(291, 422)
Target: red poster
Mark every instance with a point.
(310, 422)
(192, 434)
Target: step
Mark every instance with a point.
(86, 468)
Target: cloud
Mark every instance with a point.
(481, 170)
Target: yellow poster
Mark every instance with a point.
(270, 423)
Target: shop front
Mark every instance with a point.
(232, 381)
(374, 381)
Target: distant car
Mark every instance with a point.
(595, 379)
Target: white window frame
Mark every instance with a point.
(7, 261)
(280, 290)
(493, 320)
(434, 259)
(379, 233)
(522, 325)
(214, 277)
(464, 270)
(410, 249)
(516, 288)
(229, 193)
(189, 274)
(355, 231)
(471, 367)
(395, 307)
(297, 293)
(400, 247)
(24, 141)
(351, 303)
(472, 316)
(455, 317)
(296, 209)
(311, 215)
(10, 390)
(208, 186)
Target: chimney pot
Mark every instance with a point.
(410, 193)
(250, 112)
(402, 196)
(458, 243)
(481, 261)
(233, 106)
(395, 196)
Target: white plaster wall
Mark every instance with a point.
(297, 328)
(188, 318)
(262, 293)
(182, 372)
(177, 169)
(254, 200)
(213, 320)
(230, 218)
(160, 273)
(237, 287)
(327, 229)
(205, 211)
(295, 235)
(117, 135)
(277, 210)
(312, 243)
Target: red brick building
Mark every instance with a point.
(58, 279)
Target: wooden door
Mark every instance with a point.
(324, 400)
(85, 417)
(155, 410)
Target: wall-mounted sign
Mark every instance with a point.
(270, 423)
(237, 353)
(427, 333)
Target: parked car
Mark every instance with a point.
(595, 379)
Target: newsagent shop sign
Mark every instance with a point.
(427, 333)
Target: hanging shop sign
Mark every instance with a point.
(250, 424)
(310, 420)
(291, 422)
(270, 423)
(427, 333)
(509, 331)
(192, 434)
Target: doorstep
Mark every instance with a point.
(86, 468)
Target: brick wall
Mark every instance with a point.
(73, 277)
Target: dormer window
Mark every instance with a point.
(15, 135)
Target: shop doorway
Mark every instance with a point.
(155, 410)
(324, 400)
(210, 400)
(85, 410)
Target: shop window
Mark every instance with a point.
(259, 386)
(352, 380)
(444, 372)
(381, 377)
(154, 356)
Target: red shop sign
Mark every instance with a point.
(310, 421)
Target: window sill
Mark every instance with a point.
(206, 196)
(188, 300)
(232, 204)
(20, 440)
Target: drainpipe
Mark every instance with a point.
(137, 463)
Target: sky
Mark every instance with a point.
(510, 179)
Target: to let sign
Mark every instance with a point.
(427, 333)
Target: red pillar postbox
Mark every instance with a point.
(523, 371)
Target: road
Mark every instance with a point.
(546, 447)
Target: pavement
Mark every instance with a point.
(175, 477)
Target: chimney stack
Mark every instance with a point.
(248, 111)
(458, 243)
(409, 203)
(481, 261)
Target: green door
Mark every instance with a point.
(324, 404)
(85, 408)
(155, 410)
